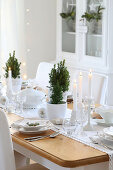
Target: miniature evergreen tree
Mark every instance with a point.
(14, 65)
(59, 82)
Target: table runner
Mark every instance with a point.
(33, 113)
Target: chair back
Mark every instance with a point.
(42, 75)
(99, 85)
(7, 161)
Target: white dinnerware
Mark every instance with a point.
(101, 122)
(106, 112)
(108, 131)
(23, 123)
(105, 137)
(39, 131)
(33, 97)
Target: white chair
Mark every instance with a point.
(99, 85)
(7, 161)
(42, 75)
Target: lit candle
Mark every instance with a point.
(90, 83)
(10, 73)
(75, 96)
(10, 80)
(80, 87)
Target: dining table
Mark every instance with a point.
(59, 153)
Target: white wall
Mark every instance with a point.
(40, 34)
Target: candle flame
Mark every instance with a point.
(90, 71)
(75, 81)
(9, 68)
(24, 76)
(24, 64)
(81, 74)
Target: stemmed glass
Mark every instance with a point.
(20, 101)
(89, 108)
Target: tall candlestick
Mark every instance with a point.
(80, 87)
(75, 96)
(90, 83)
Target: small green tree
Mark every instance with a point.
(59, 82)
(14, 65)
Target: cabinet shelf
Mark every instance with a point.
(72, 4)
(95, 35)
(72, 33)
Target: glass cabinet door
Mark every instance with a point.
(68, 25)
(94, 36)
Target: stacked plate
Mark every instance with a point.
(30, 126)
(107, 134)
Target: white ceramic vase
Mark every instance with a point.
(56, 111)
(16, 84)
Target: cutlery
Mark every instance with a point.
(41, 137)
(100, 143)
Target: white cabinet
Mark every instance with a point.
(86, 45)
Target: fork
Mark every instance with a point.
(41, 137)
(100, 143)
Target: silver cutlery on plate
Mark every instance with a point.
(100, 143)
(35, 138)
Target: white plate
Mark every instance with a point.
(101, 122)
(22, 123)
(105, 137)
(108, 131)
(42, 130)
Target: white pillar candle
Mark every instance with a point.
(90, 83)
(80, 87)
(10, 79)
(75, 96)
(10, 73)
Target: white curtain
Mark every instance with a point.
(12, 30)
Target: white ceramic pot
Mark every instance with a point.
(16, 84)
(56, 111)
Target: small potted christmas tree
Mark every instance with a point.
(13, 64)
(59, 84)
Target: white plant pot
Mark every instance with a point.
(16, 84)
(56, 111)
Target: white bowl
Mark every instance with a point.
(106, 112)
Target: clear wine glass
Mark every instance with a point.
(20, 101)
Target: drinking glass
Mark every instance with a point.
(69, 127)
